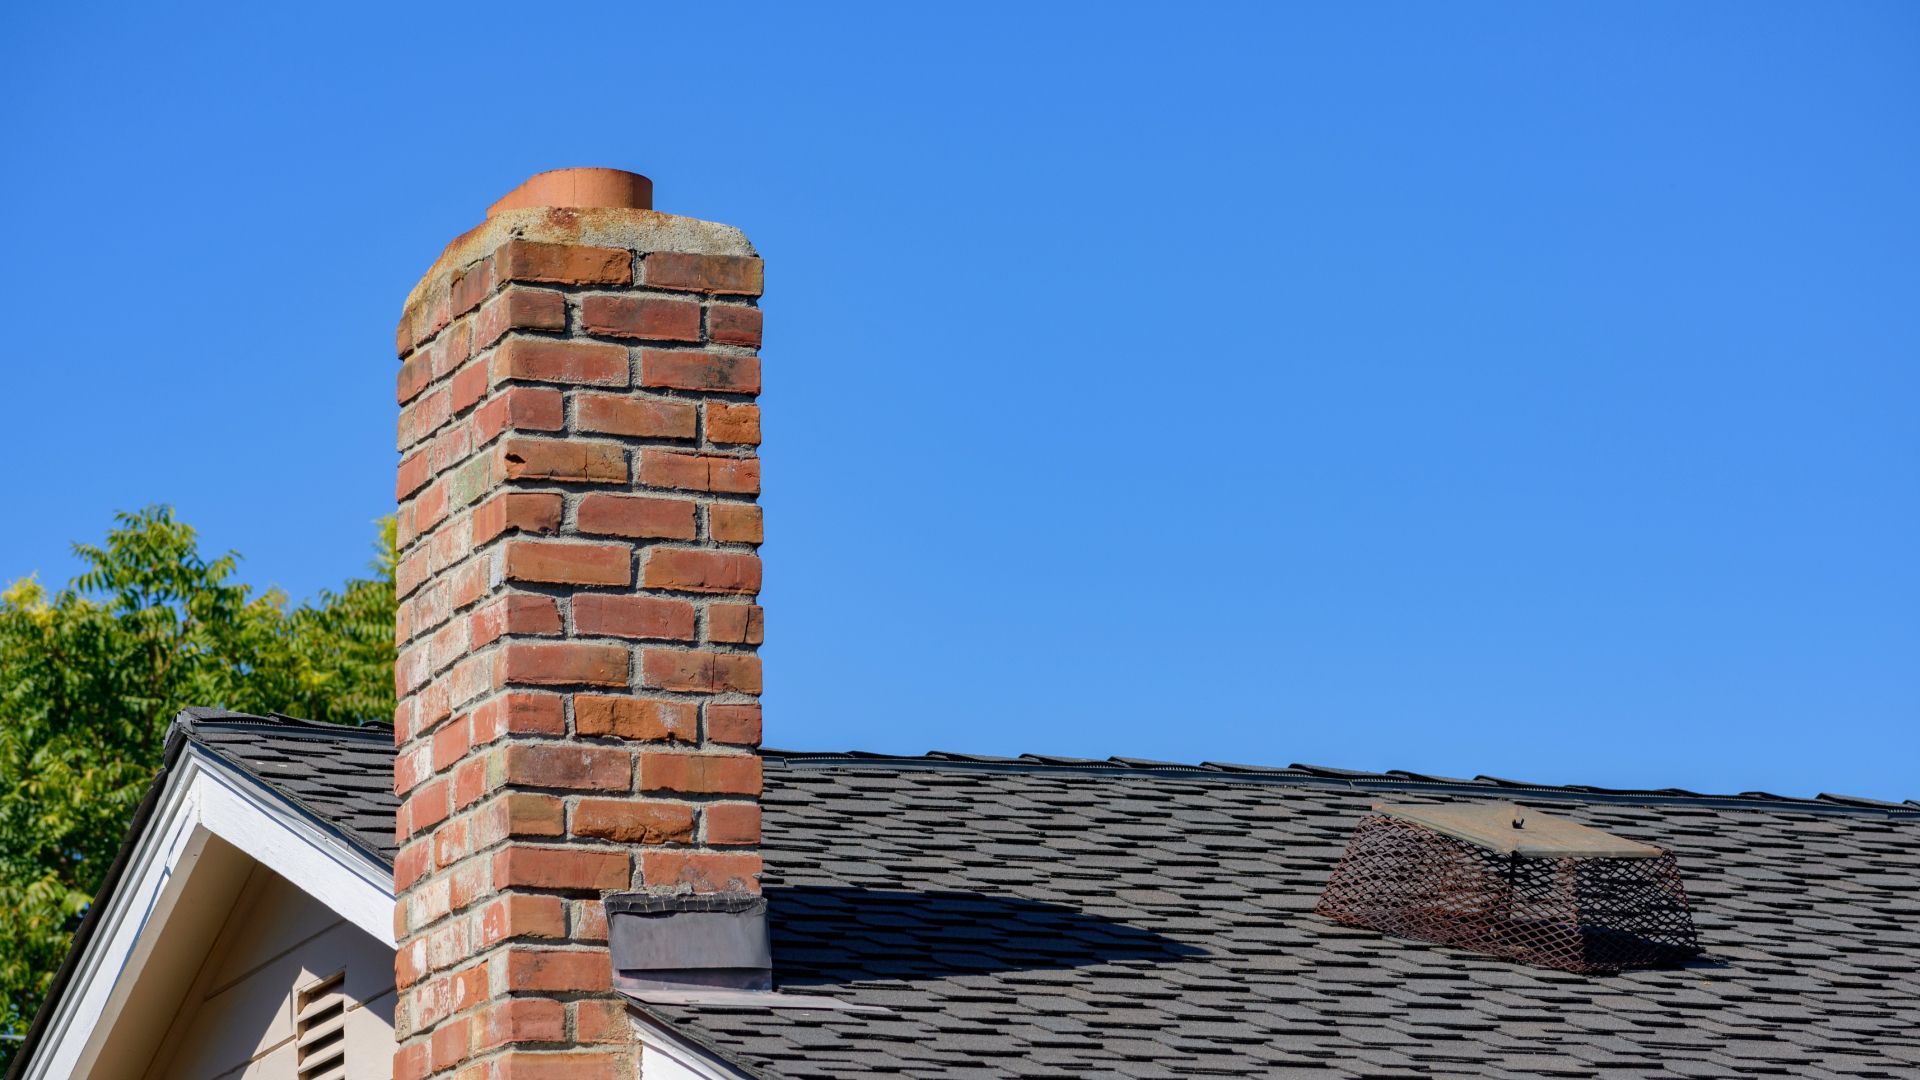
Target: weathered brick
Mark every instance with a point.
(714, 372)
(734, 725)
(730, 274)
(515, 613)
(734, 324)
(730, 823)
(565, 867)
(631, 821)
(701, 871)
(736, 624)
(646, 318)
(519, 408)
(563, 264)
(698, 671)
(638, 517)
(700, 472)
(566, 765)
(700, 774)
(571, 362)
(646, 719)
(568, 460)
(562, 563)
(521, 511)
(735, 523)
(700, 570)
(644, 617)
(563, 664)
(519, 309)
(471, 285)
(645, 418)
(729, 422)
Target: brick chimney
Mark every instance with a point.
(577, 676)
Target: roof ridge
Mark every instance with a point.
(1393, 780)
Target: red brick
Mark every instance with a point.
(731, 423)
(450, 744)
(735, 725)
(561, 563)
(629, 821)
(633, 617)
(519, 309)
(645, 418)
(520, 408)
(519, 714)
(413, 475)
(469, 386)
(412, 1062)
(567, 765)
(520, 1020)
(519, 814)
(521, 915)
(602, 1022)
(699, 570)
(733, 324)
(637, 517)
(644, 317)
(733, 523)
(719, 372)
(740, 275)
(452, 1041)
(568, 867)
(703, 871)
(424, 416)
(564, 264)
(700, 774)
(635, 718)
(700, 472)
(572, 362)
(516, 613)
(412, 864)
(576, 460)
(700, 672)
(470, 286)
(469, 783)
(564, 663)
(731, 823)
(558, 1066)
(414, 376)
(523, 511)
(736, 624)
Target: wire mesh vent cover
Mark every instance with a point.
(1560, 896)
(320, 1027)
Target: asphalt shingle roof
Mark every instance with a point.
(1022, 918)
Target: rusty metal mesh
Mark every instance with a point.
(1577, 914)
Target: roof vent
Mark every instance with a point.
(1514, 883)
(320, 1013)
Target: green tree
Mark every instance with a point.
(90, 678)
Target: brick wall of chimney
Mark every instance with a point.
(578, 675)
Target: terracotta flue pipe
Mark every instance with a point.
(580, 188)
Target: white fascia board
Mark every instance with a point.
(204, 797)
(665, 1055)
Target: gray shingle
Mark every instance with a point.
(1031, 919)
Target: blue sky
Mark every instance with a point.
(1514, 389)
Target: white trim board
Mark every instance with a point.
(667, 1055)
(204, 798)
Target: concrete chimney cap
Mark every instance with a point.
(579, 189)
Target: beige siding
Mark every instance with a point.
(237, 1021)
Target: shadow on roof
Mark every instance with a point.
(838, 934)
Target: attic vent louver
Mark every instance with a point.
(1514, 883)
(320, 1027)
